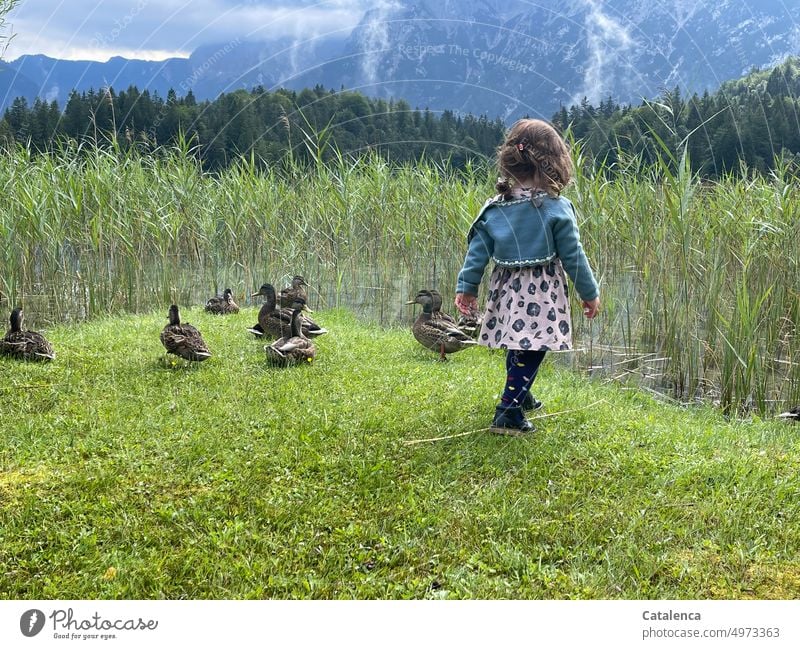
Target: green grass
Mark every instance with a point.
(122, 477)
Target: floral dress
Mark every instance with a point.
(527, 307)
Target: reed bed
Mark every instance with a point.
(699, 280)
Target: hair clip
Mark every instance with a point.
(521, 146)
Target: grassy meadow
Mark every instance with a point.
(367, 475)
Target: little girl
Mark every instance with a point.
(531, 233)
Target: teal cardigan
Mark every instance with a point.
(526, 232)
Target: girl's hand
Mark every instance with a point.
(591, 307)
(466, 304)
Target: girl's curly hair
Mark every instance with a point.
(533, 148)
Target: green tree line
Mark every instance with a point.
(265, 126)
(745, 125)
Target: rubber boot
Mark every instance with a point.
(531, 403)
(510, 421)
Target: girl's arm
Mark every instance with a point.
(573, 258)
(481, 247)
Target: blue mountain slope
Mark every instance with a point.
(479, 56)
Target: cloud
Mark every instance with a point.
(375, 37)
(154, 29)
(607, 42)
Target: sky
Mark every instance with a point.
(158, 29)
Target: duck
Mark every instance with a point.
(793, 414)
(437, 333)
(26, 345)
(298, 289)
(278, 322)
(224, 305)
(294, 348)
(470, 324)
(436, 308)
(183, 339)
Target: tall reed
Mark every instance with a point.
(702, 274)
(698, 281)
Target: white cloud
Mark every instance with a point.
(155, 29)
(607, 42)
(376, 37)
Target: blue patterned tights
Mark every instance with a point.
(521, 368)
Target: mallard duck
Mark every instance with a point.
(223, 305)
(27, 345)
(295, 348)
(298, 289)
(436, 308)
(183, 339)
(437, 333)
(278, 322)
(793, 414)
(470, 325)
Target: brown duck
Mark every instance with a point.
(277, 323)
(470, 325)
(294, 348)
(222, 305)
(183, 339)
(26, 345)
(288, 295)
(437, 333)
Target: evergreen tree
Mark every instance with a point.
(18, 118)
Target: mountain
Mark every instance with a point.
(15, 85)
(53, 79)
(509, 58)
(209, 71)
(476, 56)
